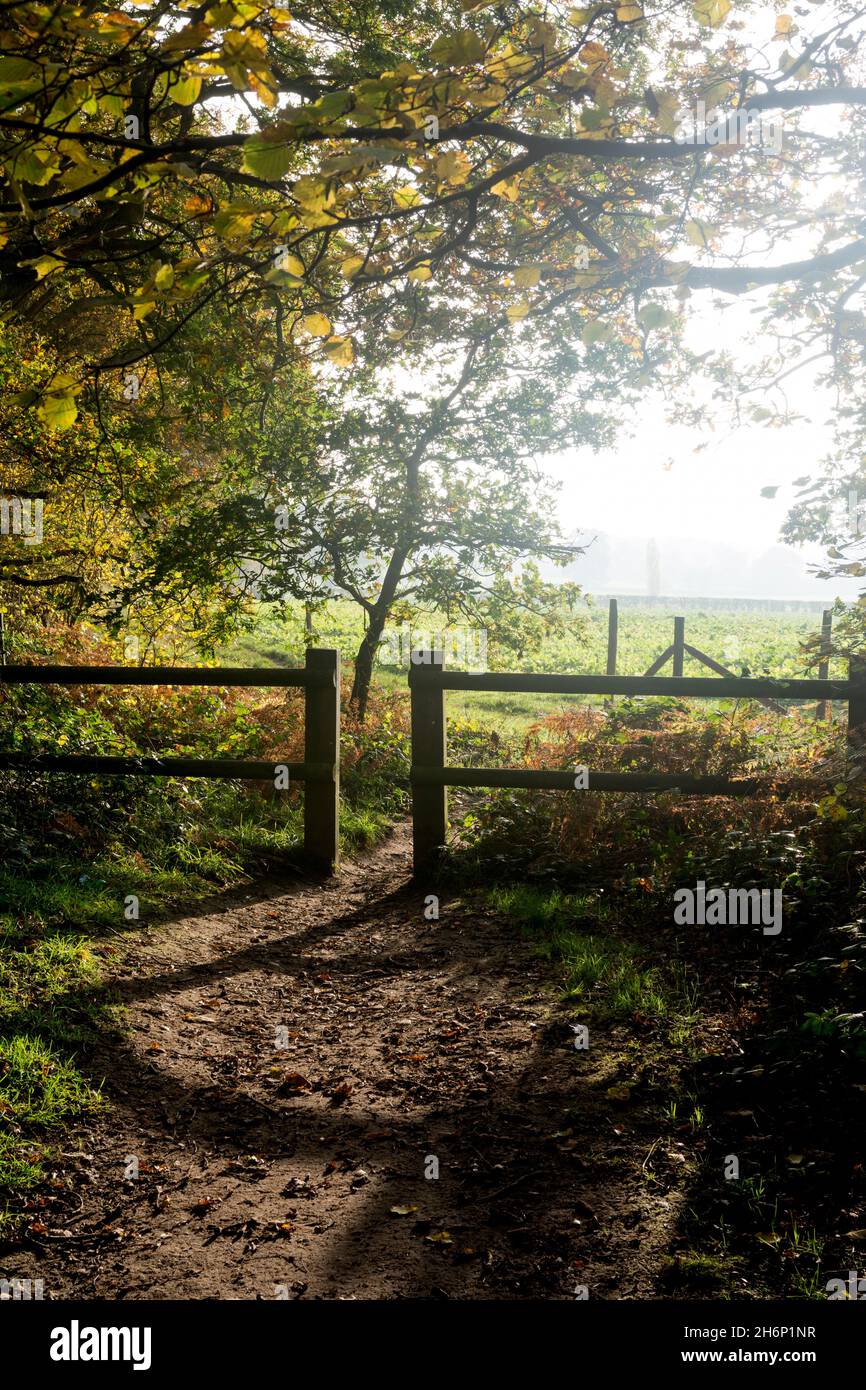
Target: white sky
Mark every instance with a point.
(657, 483)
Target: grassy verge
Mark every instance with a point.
(601, 970)
(746, 1055)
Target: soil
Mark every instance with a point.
(299, 1061)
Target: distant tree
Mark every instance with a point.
(653, 568)
(425, 486)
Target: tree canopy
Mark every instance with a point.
(346, 169)
(278, 222)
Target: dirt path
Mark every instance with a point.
(270, 1171)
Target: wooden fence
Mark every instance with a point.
(680, 648)
(320, 771)
(431, 775)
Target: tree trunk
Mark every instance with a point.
(366, 656)
(378, 616)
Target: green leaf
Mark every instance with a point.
(186, 90)
(655, 316)
(266, 158)
(57, 408)
(595, 332)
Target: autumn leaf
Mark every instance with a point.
(57, 408)
(453, 167)
(712, 13)
(266, 157)
(185, 89)
(527, 277)
(507, 188)
(316, 325)
(340, 351)
(621, 1092)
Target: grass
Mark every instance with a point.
(599, 969)
(747, 642)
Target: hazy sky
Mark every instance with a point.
(655, 484)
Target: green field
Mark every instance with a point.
(748, 642)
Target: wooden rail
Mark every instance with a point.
(679, 648)
(431, 776)
(320, 771)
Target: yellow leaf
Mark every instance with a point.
(316, 325)
(712, 12)
(234, 226)
(340, 351)
(266, 157)
(491, 95)
(407, 197)
(621, 1092)
(515, 312)
(454, 167)
(186, 89)
(44, 265)
(164, 277)
(627, 14)
(784, 25)
(57, 409)
(527, 277)
(507, 188)
(351, 266)
(291, 265)
(421, 272)
(593, 55)
(698, 233)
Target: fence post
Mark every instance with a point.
(612, 622)
(825, 709)
(612, 636)
(856, 712)
(429, 799)
(322, 745)
(679, 645)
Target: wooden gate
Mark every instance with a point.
(431, 775)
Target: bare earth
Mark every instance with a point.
(298, 1171)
